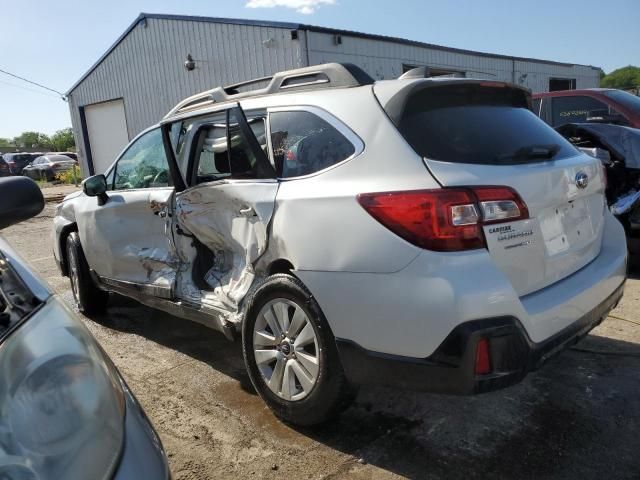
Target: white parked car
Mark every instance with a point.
(424, 233)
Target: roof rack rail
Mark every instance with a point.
(328, 75)
(425, 72)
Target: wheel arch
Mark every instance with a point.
(280, 265)
(62, 246)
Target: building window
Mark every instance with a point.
(556, 84)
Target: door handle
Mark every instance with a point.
(247, 212)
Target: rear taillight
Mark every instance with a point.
(444, 219)
(499, 204)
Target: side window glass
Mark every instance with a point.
(258, 126)
(177, 135)
(243, 159)
(109, 178)
(304, 143)
(575, 109)
(144, 164)
(211, 154)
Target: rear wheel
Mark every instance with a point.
(87, 296)
(291, 356)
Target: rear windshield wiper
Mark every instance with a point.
(531, 152)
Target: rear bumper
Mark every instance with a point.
(450, 369)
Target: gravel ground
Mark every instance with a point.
(578, 417)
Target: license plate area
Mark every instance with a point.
(567, 227)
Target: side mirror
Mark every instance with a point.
(96, 186)
(21, 200)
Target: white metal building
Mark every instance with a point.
(143, 74)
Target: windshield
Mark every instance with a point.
(478, 124)
(625, 99)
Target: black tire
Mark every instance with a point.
(331, 393)
(88, 297)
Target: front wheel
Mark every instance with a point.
(290, 354)
(87, 296)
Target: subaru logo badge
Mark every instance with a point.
(582, 179)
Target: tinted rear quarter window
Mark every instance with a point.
(477, 124)
(303, 143)
(625, 99)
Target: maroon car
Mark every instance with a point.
(591, 105)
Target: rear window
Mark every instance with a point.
(19, 157)
(479, 124)
(625, 99)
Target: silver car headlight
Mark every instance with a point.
(61, 404)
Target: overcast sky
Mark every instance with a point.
(55, 42)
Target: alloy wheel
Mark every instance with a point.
(286, 351)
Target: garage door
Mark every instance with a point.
(107, 129)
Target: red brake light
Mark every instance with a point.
(444, 219)
(483, 357)
(424, 217)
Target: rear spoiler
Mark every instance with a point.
(394, 99)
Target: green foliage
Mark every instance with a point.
(68, 176)
(33, 140)
(63, 140)
(626, 77)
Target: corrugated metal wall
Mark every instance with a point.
(384, 60)
(146, 68)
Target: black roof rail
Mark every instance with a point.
(328, 75)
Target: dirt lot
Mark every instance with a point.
(578, 417)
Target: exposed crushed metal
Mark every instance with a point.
(618, 148)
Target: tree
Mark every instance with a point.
(63, 140)
(33, 140)
(626, 77)
(5, 142)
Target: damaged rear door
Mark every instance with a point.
(221, 219)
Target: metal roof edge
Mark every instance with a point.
(193, 18)
(138, 19)
(311, 28)
(373, 36)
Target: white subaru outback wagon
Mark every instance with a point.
(431, 234)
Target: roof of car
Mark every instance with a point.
(57, 158)
(328, 76)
